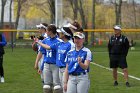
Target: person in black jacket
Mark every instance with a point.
(118, 47)
(2, 44)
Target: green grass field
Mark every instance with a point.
(20, 76)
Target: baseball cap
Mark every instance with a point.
(70, 25)
(79, 34)
(41, 26)
(117, 27)
(63, 31)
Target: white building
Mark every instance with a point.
(7, 11)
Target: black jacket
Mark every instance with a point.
(118, 45)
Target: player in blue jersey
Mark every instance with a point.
(75, 26)
(51, 71)
(2, 44)
(77, 68)
(42, 28)
(62, 48)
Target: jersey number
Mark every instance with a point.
(75, 65)
(59, 57)
(49, 54)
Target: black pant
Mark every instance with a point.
(1, 66)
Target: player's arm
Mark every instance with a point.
(66, 77)
(43, 45)
(42, 67)
(66, 74)
(34, 46)
(126, 46)
(38, 57)
(84, 65)
(109, 45)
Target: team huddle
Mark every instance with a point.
(62, 60)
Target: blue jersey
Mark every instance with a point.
(39, 46)
(50, 55)
(62, 48)
(3, 40)
(72, 60)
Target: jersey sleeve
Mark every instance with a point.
(42, 49)
(89, 55)
(67, 58)
(3, 42)
(72, 45)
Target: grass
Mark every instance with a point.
(102, 81)
(20, 76)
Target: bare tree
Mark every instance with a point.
(2, 13)
(52, 10)
(19, 6)
(93, 21)
(83, 18)
(82, 14)
(118, 5)
(10, 21)
(10, 13)
(43, 6)
(74, 5)
(77, 6)
(135, 17)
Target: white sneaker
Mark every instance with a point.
(2, 79)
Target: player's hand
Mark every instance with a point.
(36, 66)
(39, 71)
(65, 87)
(36, 40)
(79, 60)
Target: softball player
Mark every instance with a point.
(75, 26)
(40, 56)
(77, 68)
(62, 48)
(51, 71)
(3, 43)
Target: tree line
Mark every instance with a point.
(90, 13)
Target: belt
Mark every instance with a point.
(77, 74)
(62, 67)
(50, 63)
